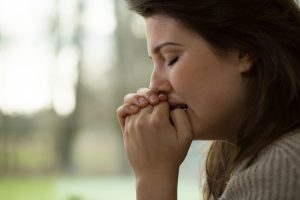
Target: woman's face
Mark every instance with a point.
(189, 71)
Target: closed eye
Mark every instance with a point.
(172, 62)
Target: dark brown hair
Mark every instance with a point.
(268, 31)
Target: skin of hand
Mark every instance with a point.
(133, 102)
(152, 143)
(155, 147)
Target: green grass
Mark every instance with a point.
(59, 188)
(27, 189)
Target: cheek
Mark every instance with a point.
(182, 84)
(213, 97)
(188, 82)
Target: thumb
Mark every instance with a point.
(182, 125)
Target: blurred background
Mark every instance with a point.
(65, 66)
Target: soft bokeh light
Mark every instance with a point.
(25, 82)
(26, 56)
(138, 27)
(65, 79)
(99, 18)
(24, 18)
(32, 77)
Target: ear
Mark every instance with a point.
(245, 62)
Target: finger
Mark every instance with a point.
(135, 99)
(162, 97)
(147, 110)
(126, 126)
(147, 93)
(151, 95)
(144, 92)
(125, 110)
(182, 124)
(162, 111)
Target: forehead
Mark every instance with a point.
(161, 28)
(160, 24)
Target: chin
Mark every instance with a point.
(200, 133)
(198, 136)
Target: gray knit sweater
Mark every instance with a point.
(275, 174)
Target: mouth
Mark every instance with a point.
(175, 105)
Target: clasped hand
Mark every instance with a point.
(156, 139)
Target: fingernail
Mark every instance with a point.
(132, 107)
(153, 98)
(136, 102)
(142, 101)
(162, 96)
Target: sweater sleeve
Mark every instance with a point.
(274, 175)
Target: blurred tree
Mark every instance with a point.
(69, 125)
(121, 71)
(131, 69)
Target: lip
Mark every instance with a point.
(175, 104)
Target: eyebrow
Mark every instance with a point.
(157, 49)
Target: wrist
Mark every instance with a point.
(161, 185)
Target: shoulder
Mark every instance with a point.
(273, 175)
(289, 145)
(285, 149)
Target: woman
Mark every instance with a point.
(227, 71)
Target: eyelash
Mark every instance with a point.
(172, 62)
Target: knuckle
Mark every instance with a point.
(149, 92)
(133, 109)
(131, 99)
(120, 110)
(128, 96)
(141, 90)
(124, 110)
(135, 98)
(144, 92)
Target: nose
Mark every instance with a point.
(160, 81)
